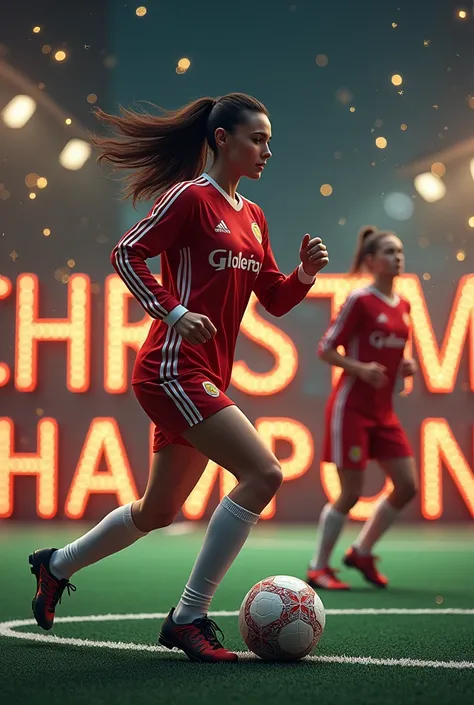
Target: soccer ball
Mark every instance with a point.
(281, 618)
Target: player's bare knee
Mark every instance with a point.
(274, 477)
(347, 500)
(267, 481)
(409, 490)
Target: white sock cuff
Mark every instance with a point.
(239, 512)
(128, 520)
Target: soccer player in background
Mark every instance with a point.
(373, 327)
(215, 252)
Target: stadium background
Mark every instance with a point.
(325, 72)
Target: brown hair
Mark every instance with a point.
(174, 146)
(368, 241)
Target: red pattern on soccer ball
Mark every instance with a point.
(297, 604)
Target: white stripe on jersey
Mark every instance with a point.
(337, 415)
(334, 330)
(146, 297)
(133, 281)
(186, 254)
(170, 350)
(337, 422)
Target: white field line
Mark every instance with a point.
(8, 629)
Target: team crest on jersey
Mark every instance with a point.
(210, 389)
(355, 453)
(406, 318)
(257, 232)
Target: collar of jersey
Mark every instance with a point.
(237, 206)
(393, 302)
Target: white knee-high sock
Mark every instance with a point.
(227, 532)
(330, 526)
(116, 531)
(382, 518)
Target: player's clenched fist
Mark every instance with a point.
(313, 255)
(195, 328)
(374, 374)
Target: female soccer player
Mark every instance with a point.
(215, 251)
(373, 327)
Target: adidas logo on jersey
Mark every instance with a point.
(382, 318)
(223, 259)
(222, 228)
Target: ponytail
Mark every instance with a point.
(162, 150)
(367, 243)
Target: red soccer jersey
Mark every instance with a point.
(214, 252)
(371, 328)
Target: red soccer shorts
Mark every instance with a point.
(351, 439)
(178, 404)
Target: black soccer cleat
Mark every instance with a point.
(49, 589)
(198, 640)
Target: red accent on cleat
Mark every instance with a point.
(326, 579)
(366, 565)
(198, 640)
(49, 589)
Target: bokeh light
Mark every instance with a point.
(438, 169)
(430, 187)
(399, 206)
(326, 190)
(31, 180)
